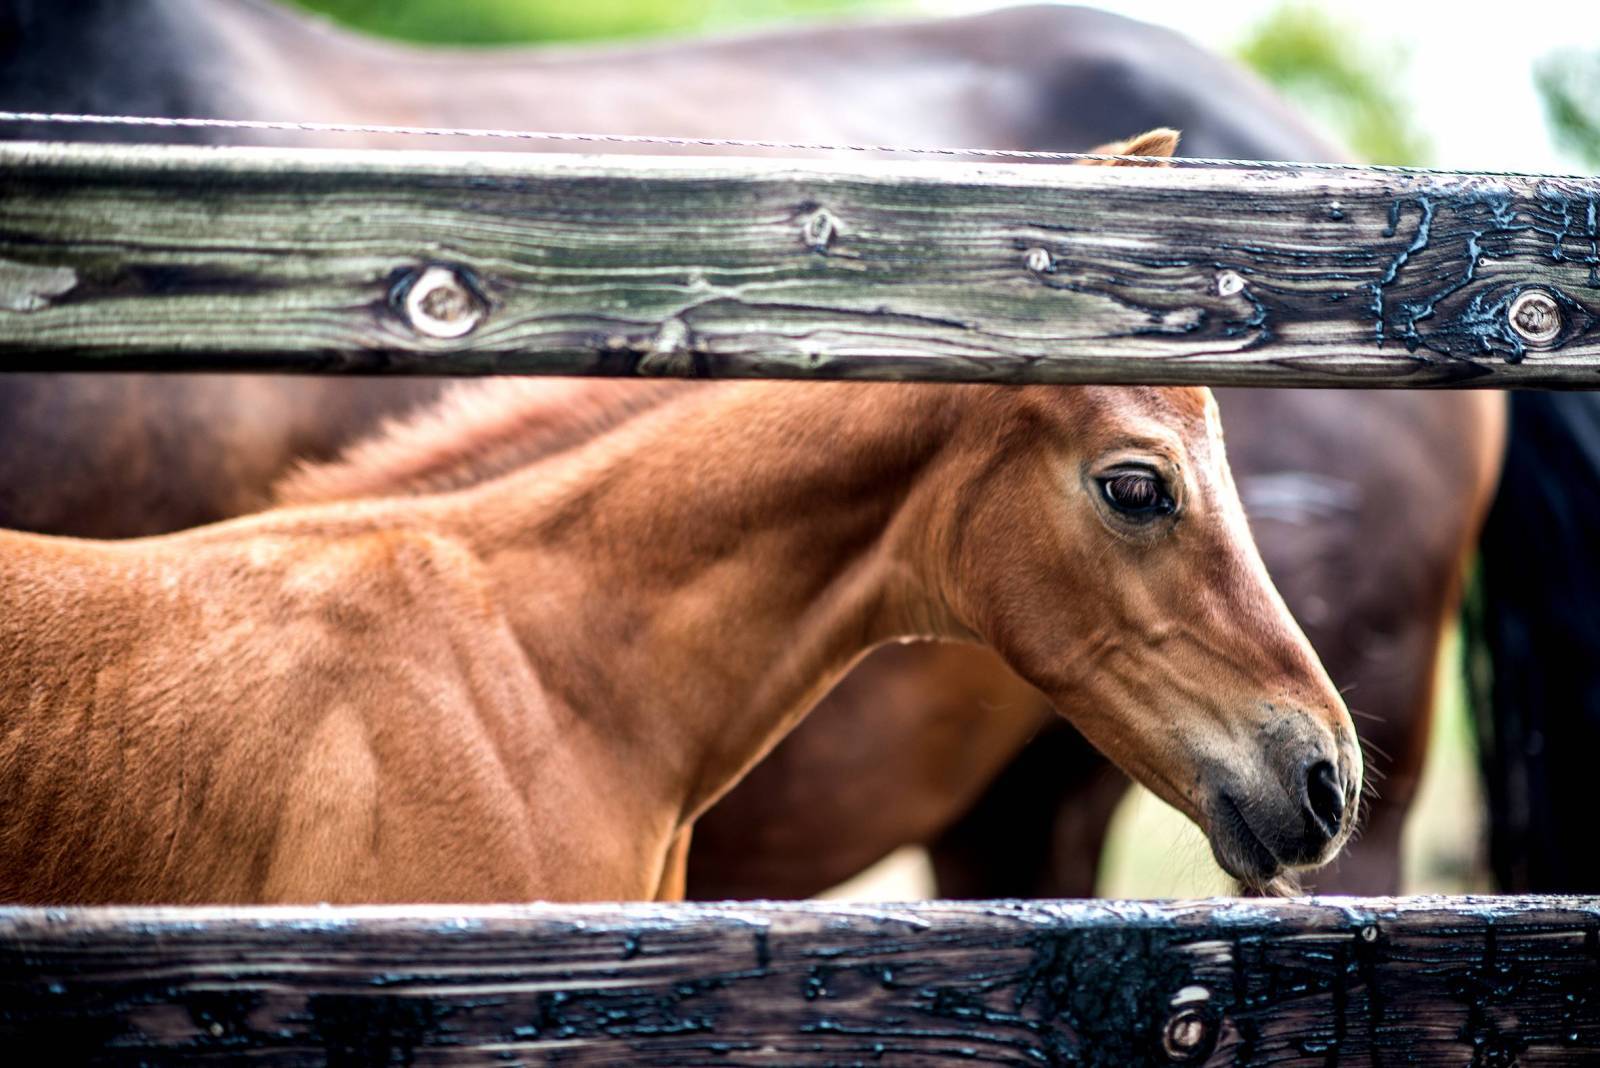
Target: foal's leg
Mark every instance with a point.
(675, 870)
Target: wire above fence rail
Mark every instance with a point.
(286, 126)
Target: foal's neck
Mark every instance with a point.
(694, 581)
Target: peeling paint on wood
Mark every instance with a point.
(266, 259)
(1429, 981)
(26, 288)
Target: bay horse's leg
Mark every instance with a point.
(1040, 828)
(893, 755)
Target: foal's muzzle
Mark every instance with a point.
(1261, 825)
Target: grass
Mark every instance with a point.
(489, 22)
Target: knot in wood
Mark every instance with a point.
(440, 304)
(1185, 1035)
(1229, 283)
(819, 229)
(671, 351)
(1536, 317)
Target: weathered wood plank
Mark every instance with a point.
(123, 257)
(1354, 981)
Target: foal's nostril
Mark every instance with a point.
(1324, 797)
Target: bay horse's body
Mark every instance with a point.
(111, 455)
(481, 694)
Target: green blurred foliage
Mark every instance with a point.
(1326, 66)
(1569, 84)
(505, 21)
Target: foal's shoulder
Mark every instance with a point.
(398, 555)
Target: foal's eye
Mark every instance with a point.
(1138, 494)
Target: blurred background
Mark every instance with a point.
(1395, 82)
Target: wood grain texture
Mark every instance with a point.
(1480, 982)
(140, 257)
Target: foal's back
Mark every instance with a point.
(267, 692)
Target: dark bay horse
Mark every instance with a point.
(185, 450)
(1364, 538)
(505, 692)
(1533, 643)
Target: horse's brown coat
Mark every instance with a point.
(482, 694)
(114, 455)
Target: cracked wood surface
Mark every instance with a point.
(1420, 981)
(183, 258)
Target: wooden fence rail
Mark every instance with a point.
(170, 258)
(1440, 981)
(183, 258)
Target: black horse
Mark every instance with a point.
(1533, 650)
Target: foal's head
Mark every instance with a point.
(1101, 540)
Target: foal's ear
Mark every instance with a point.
(1158, 142)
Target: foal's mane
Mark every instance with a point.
(474, 433)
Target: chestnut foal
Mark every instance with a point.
(530, 686)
